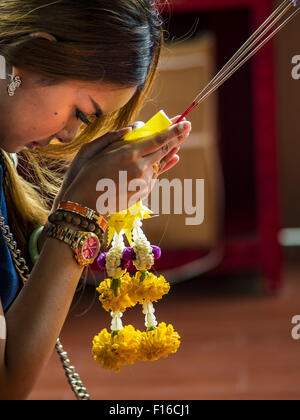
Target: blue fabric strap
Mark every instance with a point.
(9, 281)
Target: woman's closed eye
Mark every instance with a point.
(81, 116)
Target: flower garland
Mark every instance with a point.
(120, 291)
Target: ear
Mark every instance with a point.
(44, 35)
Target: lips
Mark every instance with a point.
(42, 143)
(33, 145)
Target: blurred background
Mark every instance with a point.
(236, 276)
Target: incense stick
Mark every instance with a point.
(247, 51)
(250, 42)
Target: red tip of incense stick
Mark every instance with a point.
(190, 108)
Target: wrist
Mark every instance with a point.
(62, 252)
(43, 235)
(86, 246)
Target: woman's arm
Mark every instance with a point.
(35, 319)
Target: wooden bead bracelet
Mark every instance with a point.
(76, 220)
(85, 212)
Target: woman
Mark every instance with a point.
(77, 70)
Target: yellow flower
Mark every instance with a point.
(140, 211)
(119, 222)
(158, 343)
(116, 300)
(150, 288)
(125, 219)
(113, 352)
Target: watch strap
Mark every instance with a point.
(75, 239)
(63, 233)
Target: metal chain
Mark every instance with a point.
(73, 378)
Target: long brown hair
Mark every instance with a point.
(117, 41)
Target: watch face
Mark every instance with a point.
(91, 248)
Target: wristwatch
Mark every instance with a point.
(86, 246)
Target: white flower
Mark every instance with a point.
(144, 254)
(114, 257)
(142, 248)
(148, 311)
(116, 323)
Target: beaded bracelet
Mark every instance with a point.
(85, 212)
(76, 220)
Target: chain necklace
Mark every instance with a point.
(73, 378)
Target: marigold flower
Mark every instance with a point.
(159, 342)
(147, 286)
(116, 300)
(114, 351)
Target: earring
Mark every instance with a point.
(16, 83)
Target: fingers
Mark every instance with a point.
(164, 163)
(110, 137)
(177, 118)
(89, 150)
(172, 162)
(166, 149)
(137, 124)
(172, 134)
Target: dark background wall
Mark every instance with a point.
(288, 111)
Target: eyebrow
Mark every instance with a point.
(99, 111)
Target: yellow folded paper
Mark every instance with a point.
(160, 122)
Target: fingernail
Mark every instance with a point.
(185, 126)
(124, 131)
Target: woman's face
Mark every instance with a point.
(38, 113)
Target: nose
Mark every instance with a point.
(70, 131)
(67, 136)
